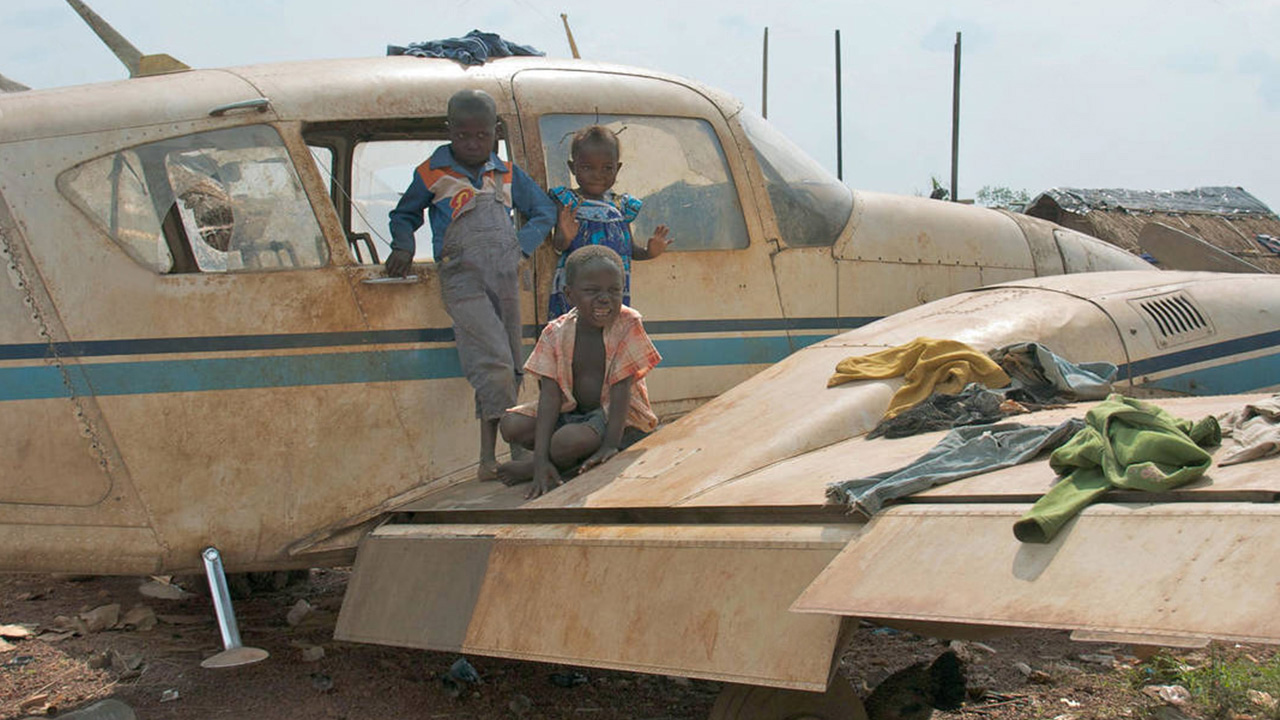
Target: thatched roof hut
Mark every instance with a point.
(1226, 217)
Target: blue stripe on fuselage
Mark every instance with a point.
(230, 373)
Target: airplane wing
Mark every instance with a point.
(709, 550)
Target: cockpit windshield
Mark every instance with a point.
(811, 206)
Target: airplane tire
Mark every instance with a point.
(752, 702)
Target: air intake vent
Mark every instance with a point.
(1173, 318)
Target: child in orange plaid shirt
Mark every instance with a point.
(590, 364)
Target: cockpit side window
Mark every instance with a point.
(214, 202)
(676, 166)
(811, 206)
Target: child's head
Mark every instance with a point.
(594, 159)
(593, 284)
(473, 126)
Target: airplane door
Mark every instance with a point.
(710, 302)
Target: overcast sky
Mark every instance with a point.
(1123, 93)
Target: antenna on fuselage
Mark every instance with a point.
(139, 65)
(573, 46)
(11, 86)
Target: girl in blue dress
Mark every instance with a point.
(593, 214)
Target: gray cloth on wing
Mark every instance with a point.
(474, 48)
(1252, 432)
(975, 405)
(1045, 377)
(965, 451)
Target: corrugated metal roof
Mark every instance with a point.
(1212, 200)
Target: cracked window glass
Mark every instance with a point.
(220, 201)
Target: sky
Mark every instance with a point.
(1140, 94)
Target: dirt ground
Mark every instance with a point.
(157, 672)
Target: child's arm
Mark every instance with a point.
(545, 474)
(657, 245)
(619, 402)
(406, 218)
(539, 210)
(566, 229)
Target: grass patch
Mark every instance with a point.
(1220, 686)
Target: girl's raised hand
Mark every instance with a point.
(566, 227)
(659, 242)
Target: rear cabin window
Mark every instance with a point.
(675, 165)
(220, 201)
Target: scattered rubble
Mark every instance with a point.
(298, 612)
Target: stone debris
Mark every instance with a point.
(15, 632)
(169, 695)
(140, 618)
(298, 613)
(6, 646)
(1099, 659)
(162, 589)
(321, 682)
(1171, 694)
(53, 637)
(520, 704)
(983, 647)
(312, 653)
(101, 618)
(73, 625)
(1262, 699)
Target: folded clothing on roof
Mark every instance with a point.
(965, 451)
(1252, 432)
(474, 48)
(927, 365)
(1128, 444)
(1045, 377)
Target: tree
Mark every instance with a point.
(1000, 196)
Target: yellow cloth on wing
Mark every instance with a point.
(927, 365)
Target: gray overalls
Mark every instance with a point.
(479, 281)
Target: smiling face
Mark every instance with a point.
(596, 291)
(595, 166)
(472, 139)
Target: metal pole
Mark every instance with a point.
(955, 124)
(573, 46)
(764, 85)
(839, 117)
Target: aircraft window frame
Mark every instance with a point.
(810, 205)
(211, 202)
(691, 229)
(365, 225)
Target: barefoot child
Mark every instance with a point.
(470, 191)
(593, 214)
(590, 364)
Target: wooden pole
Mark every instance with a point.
(573, 46)
(764, 84)
(839, 116)
(955, 124)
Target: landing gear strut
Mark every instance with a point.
(752, 702)
(234, 653)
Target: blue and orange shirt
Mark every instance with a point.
(443, 188)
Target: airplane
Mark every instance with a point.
(198, 348)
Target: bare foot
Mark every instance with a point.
(515, 472)
(487, 472)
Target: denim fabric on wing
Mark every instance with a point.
(965, 451)
(1047, 378)
(975, 405)
(474, 48)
